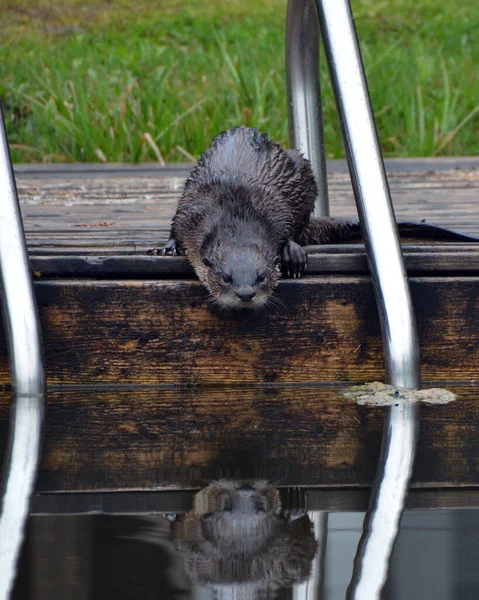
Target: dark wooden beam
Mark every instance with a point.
(325, 498)
(326, 329)
(350, 259)
(147, 439)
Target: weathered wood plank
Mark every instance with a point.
(419, 258)
(178, 501)
(158, 439)
(164, 332)
(393, 165)
(127, 214)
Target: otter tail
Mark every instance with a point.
(325, 230)
(433, 232)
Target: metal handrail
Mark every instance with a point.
(26, 369)
(400, 341)
(304, 93)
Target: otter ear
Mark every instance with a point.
(207, 262)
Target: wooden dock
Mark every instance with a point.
(150, 389)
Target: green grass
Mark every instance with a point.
(122, 81)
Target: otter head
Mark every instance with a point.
(237, 539)
(246, 497)
(239, 276)
(238, 517)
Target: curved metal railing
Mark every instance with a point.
(373, 199)
(304, 93)
(27, 373)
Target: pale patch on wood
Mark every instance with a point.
(382, 394)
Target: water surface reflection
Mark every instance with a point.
(239, 536)
(139, 557)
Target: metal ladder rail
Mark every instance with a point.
(400, 341)
(304, 93)
(27, 373)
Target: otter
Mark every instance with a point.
(245, 215)
(238, 535)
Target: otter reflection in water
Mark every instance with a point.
(237, 535)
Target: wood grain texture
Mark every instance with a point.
(393, 165)
(233, 396)
(420, 259)
(163, 439)
(145, 501)
(164, 332)
(130, 212)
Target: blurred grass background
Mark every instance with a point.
(112, 80)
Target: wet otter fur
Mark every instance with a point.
(237, 534)
(243, 207)
(246, 210)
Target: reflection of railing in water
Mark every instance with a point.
(373, 200)
(27, 372)
(313, 589)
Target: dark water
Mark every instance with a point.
(127, 557)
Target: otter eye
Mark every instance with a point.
(207, 262)
(260, 278)
(227, 278)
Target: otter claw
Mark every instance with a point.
(170, 249)
(293, 260)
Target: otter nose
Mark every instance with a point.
(246, 490)
(246, 293)
(244, 500)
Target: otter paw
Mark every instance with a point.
(294, 505)
(293, 260)
(294, 515)
(170, 249)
